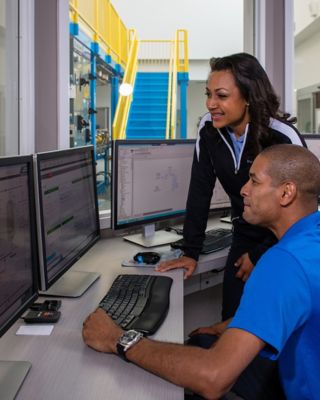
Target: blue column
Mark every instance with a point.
(74, 29)
(183, 79)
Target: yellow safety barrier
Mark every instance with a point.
(173, 100)
(100, 21)
(124, 102)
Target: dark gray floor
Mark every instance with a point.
(202, 308)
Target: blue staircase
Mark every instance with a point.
(148, 111)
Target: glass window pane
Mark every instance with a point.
(81, 114)
(307, 74)
(9, 114)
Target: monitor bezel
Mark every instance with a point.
(44, 282)
(28, 160)
(226, 208)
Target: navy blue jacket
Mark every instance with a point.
(214, 158)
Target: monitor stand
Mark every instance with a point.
(152, 238)
(71, 284)
(12, 375)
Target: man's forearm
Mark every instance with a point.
(208, 372)
(181, 365)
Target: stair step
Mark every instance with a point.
(155, 101)
(148, 112)
(155, 112)
(145, 87)
(147, 118)
(152, 75)
(147, 123)
(145, 129)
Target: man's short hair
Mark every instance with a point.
(292, 163)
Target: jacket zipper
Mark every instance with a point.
(236, 166)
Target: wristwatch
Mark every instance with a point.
(127, 340)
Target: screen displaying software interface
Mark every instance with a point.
(16, 259)
(68, 207)
(153, 181)
(219, 199)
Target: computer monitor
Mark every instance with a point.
(18, 257)
(67, 217)
(313, 143)
(220, 200)
(150, 183)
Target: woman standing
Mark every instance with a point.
(243, 118)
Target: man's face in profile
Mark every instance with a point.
(260, 196)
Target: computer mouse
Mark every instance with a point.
(147, 257)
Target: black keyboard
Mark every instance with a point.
(216, 239)
(139, 302)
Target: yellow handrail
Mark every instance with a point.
(178, 63)
(174, 90)
(182, 50)
(168, 122)
(124, 102)
(100, 21)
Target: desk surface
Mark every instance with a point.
(63, 367)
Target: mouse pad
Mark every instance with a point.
(164, 256)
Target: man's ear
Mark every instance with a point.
(289, 193)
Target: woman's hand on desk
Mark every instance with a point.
(215, 329)
(245, 267)
(100, 332)
(189, 264)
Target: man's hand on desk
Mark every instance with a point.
(189, 264)
(100, 332)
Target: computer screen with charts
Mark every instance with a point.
(151, 183)
(67, 216)
(18, 257)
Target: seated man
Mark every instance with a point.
(279, 314)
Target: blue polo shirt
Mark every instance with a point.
(281, 306)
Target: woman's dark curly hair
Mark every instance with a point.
(256, 89)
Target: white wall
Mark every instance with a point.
(196, 106)
(303, 13)
(215, 27)
(307, 59)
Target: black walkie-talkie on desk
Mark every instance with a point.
(46, 312)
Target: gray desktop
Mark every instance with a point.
(62, 366)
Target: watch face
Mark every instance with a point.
(128, 337)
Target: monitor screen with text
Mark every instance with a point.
(68, 219)
(18, 252)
